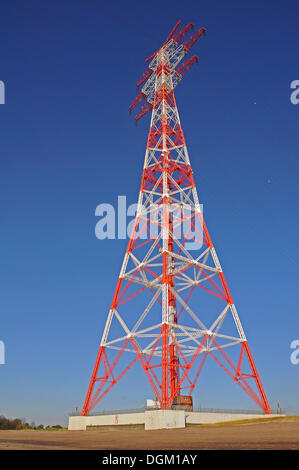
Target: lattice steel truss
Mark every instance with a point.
(172, 307)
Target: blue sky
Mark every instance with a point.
(68, 144)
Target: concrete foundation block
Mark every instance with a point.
(164, 419)
(78, 423)
(213, 418)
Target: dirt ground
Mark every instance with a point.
(282, 434)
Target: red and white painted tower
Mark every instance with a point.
(172, 308)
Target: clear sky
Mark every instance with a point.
(67, 144)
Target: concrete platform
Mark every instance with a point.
(158, 419)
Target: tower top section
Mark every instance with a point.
(172, 51)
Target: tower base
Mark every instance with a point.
(158, 419)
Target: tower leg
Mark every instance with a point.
(92, 381)
(165, 367)
(258, 382)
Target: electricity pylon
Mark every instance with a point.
(172, 307)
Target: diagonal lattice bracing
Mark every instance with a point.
(172, 308)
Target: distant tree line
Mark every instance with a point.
(17, 423)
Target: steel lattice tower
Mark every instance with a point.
(171, 303)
